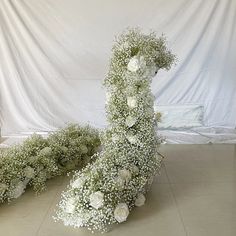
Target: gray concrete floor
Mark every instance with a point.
(194, 196)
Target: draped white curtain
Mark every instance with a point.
(54, 56)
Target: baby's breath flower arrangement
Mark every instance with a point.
(39, 159)
(104, 192)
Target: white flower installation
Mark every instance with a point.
(74, 221)
(125, 45)
(121, 212)
(78, 183)
(134, 169)
(83, 149)
(3, 188)
(29, 172)
(140, 200)
(39, 159)
(120, 182)
(151, 72)
(136, 63)
(115, 138)
(125, 175)
(130, 121)
(96, 199)
(45, 151)
(132, 102)
(18, 190)
(70, 206)
(149, 183)
(131, 138)
(108, 97)
(117, 180)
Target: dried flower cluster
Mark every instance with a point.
(105, 191)
(39, 159)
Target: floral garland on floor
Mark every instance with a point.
(104, 192)
(39, 159)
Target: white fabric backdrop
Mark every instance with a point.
(54, 56)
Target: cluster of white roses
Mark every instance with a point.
(104, 192)
(39, 159)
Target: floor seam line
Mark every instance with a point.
(49, 208)
(177, 206)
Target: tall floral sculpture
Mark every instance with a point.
(104, 192)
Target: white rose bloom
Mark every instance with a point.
(70, 206)
(130, 121)
(140, 200)
(45, 151)
(150, 72)
(3, 188)
(29, 172)
(132, 102)
(121, 212)
(135, 63)
(97, 199)
(132, 139)
(18, 190)
(120, 182)
(125, 175)
(78, 182)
